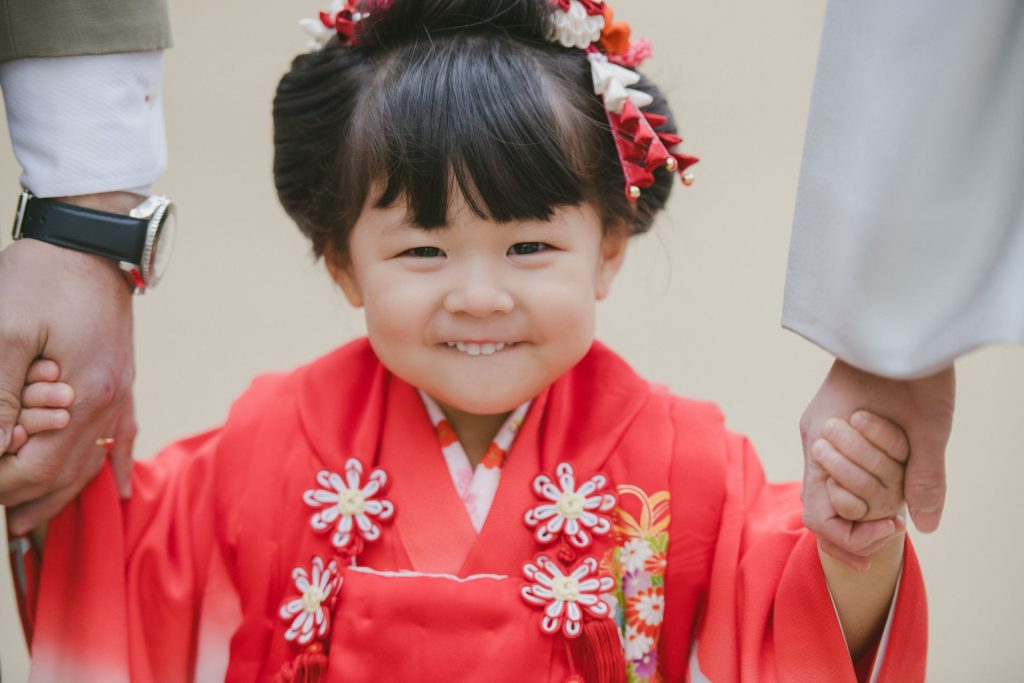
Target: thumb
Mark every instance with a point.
(925, 483)
(13, 369)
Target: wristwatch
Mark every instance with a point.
(140, 242)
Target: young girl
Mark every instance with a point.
(479, 489)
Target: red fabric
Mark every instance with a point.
(184, 581)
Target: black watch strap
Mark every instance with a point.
(111, 235)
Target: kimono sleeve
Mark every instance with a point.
(769, 615)
(122, 582)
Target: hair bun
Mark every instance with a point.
(393, 22)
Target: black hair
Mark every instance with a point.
(438, 96)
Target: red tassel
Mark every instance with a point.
(310, 666)
(598, 652)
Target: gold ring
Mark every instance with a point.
(105, 442)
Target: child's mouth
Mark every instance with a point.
(481, 348)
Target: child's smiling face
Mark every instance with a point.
(481, 316)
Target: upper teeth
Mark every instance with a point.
(474, 349)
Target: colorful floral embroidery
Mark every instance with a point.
(351, 502)
(571, 511)
(638, 565)
(566, 596)
(310, 613)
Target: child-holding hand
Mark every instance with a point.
(859, 466)
(45, 403)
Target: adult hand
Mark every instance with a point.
(76, 309)
(923, 408)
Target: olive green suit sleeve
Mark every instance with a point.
(59, 28)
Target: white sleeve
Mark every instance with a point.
(908, 239)
(84, 124)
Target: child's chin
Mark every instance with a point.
(482, 403)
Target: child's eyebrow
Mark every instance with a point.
(405, 227)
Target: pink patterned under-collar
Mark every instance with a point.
(476, 487)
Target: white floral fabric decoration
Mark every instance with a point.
(576, 513)
(575, 27)
(349, 504)
(309, 613)
(565, 597)
(612, 82)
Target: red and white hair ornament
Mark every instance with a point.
(613, 56)
(340, 19)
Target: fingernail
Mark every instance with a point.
(926, 521)
(859, 419)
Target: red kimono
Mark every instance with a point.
(319, 530)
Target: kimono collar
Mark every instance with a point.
(343, 400)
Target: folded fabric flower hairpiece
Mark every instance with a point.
(340, 19)
(613, 55)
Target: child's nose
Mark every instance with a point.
(479, 293)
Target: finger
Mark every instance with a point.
(853, 478)
(859, 538)
(36, 420)
(17, 356)
(121, 451)
(18, 439)
(43, 370)
(77, 466)
(50, 461)
(864, 453)
(819, 516)
(846, 505)
(925, 488)
(48, 395)
(884, 434)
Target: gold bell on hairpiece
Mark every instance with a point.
(634, 192)
(672, 165)
(687, 179)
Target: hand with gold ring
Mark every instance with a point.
(44, 404)
(73, 308)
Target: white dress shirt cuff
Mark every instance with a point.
(85, 124)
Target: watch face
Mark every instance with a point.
(164, 244)
(159, 240)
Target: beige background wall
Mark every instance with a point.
(697, 306)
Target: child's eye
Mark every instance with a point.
(423, 252)
(526, 248)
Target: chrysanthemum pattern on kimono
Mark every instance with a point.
(638, 564)
(350, 505)
(310, 612)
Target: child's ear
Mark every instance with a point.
(341, 272)
(613, 252)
